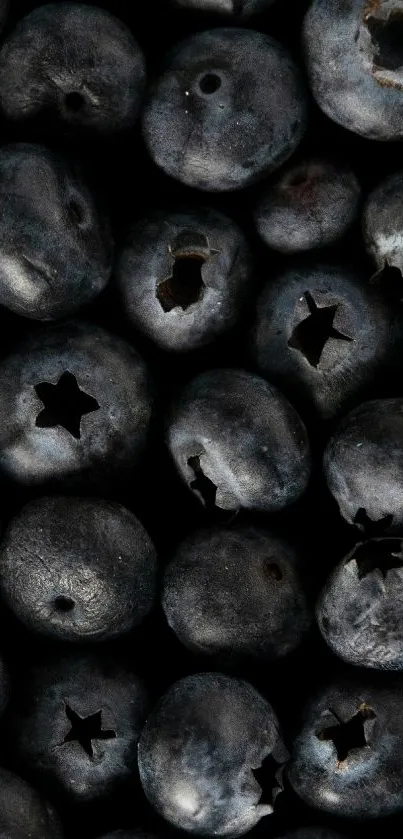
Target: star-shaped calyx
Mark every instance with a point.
(64, 404)
(350, 735)
(311, 335)
(378, 554)
(372, 528)
(185, 284)
(86, 729)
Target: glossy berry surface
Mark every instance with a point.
(198, 752)
(217, 122)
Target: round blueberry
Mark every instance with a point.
(183, 277)
(309, 205)
(348, 757)
(353, 52)
(77, 60)
(76, 405)
(383, 229)
(216, 120)
(237, 442)
(24, 814)
(236, 594)
(363, 464)
(199, 752)
(78, 569)
(55, 248)
(75, 723)
(360, 610)
(322, 334)
(238, 9)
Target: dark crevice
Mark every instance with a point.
(311, 335)
(381, 555)
(64, 604)
(202, 484)
(266, 778)
(372, 528)
(86, 729)
(273, 571)
(391, 280)
(387, 40)
(185, 286)
(74, 101)
(350, 735)
(210, 83)
(64, 404)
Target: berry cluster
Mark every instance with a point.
(201, 419)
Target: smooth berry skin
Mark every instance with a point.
(236, 594)
(354, 65)
(55, 245)
(363, 463)
(360, 612)
(326, 371)
(382, 224)
(239, 432)
(24, 814)
(77, 569)
(203, 306)
(367, 782)
(198, 750)
(111, 438)
(309, 205)
(78, 60)
(231, 9)
(216, 121)
(43, 737)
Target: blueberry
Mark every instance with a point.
(239, 9)
(323, 334)
(217, 120)
(236, 594)
(199, 752)
(354, 58)
(75, 723)
(24, 814)
(55, 247)
(77, 60)
(76, 406)
(183, 277)
(78, 569)
(383, 229)
(237, 442)
(309, 205)
(347, 758)
(360, 612)
(363, 464)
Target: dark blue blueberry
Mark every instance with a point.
(75, 724)
(348, 757)
(237, 442)
(238, 9)
(77, 60)
(55, 248)
(76, 403)
(309, 205)
(78, 569)
(236, 594)
(383, 229)
(184, 276)
(321, 333)
(217, 120)
(354, 56)
(363, 464)
(24, 814)
(360, 610)
(199, 752)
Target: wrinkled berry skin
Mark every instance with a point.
(197, 752)
(77, 569)
(231, 9)
(326, 369)
(363, 462)
(382, 223)
(367, 782)
(111, 437)
(309, 205)
(239, 432)
(216, 121)
(360, 610)
(78, 60)
(55, 247)
(24, 814)
(354, 64)
(236, 594)
(206, 301)
(42, 725)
